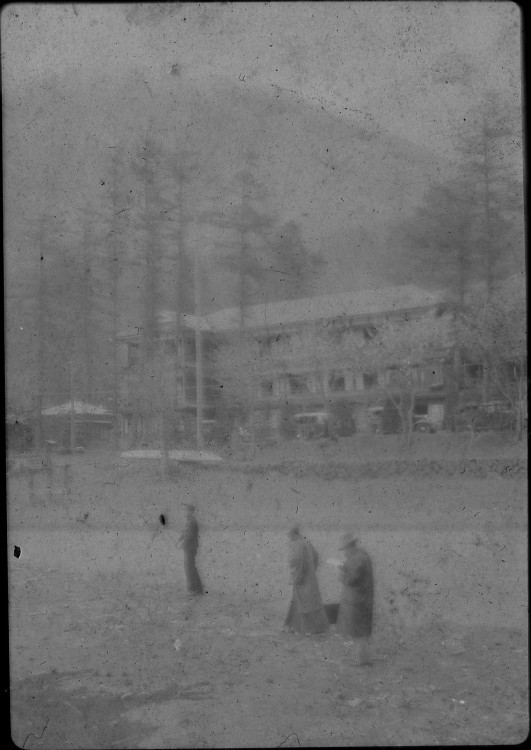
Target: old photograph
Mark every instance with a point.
(265, 374)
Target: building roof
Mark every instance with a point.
(348, 304)
(80, 407)
(364, 303)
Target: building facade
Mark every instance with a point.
(289, 376)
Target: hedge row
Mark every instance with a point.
(504, 467)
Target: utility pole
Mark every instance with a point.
(198, 353)
(179, 356)
(41, 296)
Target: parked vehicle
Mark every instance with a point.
(387, 421)
(489, 415)
(422, 423)
(263, 435)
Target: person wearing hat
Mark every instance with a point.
(189, 541)
(354, 618)
(306, 613)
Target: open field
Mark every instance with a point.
(108, 651)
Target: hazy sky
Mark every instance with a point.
(379, 60)
(410, 70)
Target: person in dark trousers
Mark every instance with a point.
(354, 619)
(189, 541)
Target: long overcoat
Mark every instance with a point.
(354, 618)
(190, 545)
(190, 536)
(303, 564)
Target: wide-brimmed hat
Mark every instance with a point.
(347, 540)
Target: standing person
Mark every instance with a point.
(306, 613)
(189, 540)
(354, 619)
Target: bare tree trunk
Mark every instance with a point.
(163, 413)
(243, 262)
(485, 379)
(411, 409)
(150, 300)
(114, 273)
(243, 280)
(198, 355)
(519, 420)
(179, 268)
(86, 303)
(180, 176)
(522, 405)
(489, 253)
(489, 258)
(457, 365)
(72, 410)
(115, 375)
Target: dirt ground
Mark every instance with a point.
(107, 650)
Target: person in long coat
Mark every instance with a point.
(354, 618)
(306, 613)
(189, 540)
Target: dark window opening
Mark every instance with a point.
(474, 371)
(336, 382)
(369, 379)
(297, 384)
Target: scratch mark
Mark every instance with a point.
(27, 125)
(31, 734)
(123, 209)
(283, 272)
(293, 734)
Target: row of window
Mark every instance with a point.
(427, 376)
(430, 376)
(276, 345)
(280, 344)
